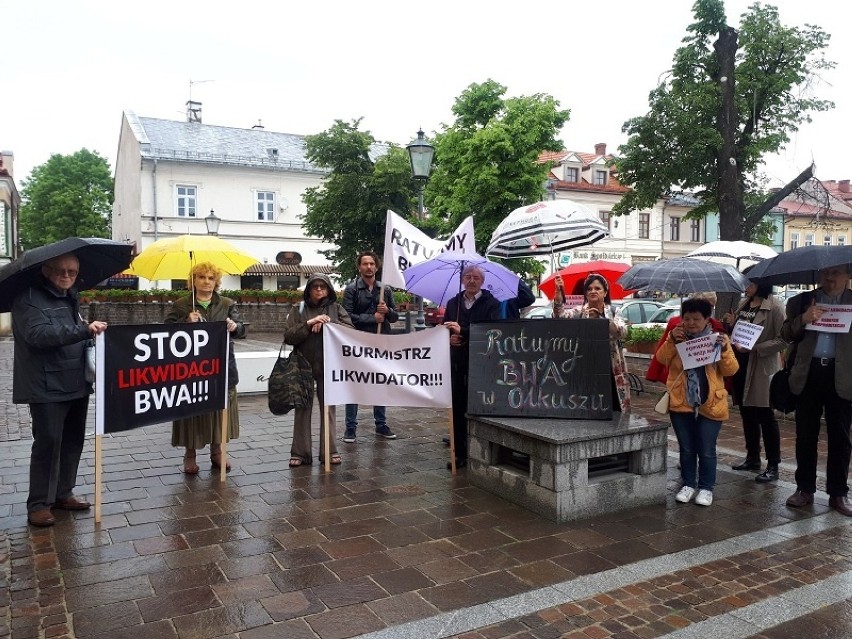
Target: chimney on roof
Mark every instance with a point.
(193, 111)
(7, 162)
(600, 148)
(843, 186)
(258, 126)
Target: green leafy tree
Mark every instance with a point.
(67, 196)
(486, 162)
(349, 209)
(732, 97)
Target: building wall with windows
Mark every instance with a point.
(587, 179)
(170, 175)
(819, 214)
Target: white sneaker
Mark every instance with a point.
(704, 498)
(685, 494)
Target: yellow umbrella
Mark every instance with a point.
(173, 258)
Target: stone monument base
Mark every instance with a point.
(567, 469)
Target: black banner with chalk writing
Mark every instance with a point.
(541, 368)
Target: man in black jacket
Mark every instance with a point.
(49, 375)
(472, 305)
(370, 314)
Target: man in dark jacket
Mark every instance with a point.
(370, 314)
(511, 308)
(49, 375)
(472, 305)
(821, 376)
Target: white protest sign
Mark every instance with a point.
(411, 369)
(835, 318)
(745, 334)
(574, 300)
(699, 351)
(406, 245)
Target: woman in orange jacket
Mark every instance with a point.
(698, 401)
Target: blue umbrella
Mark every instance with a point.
(439, 279)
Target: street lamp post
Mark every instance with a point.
(212, 222)
(420, 153)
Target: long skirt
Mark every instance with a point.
(200, 430)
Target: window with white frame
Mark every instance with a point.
(794, 240)
(841, 240)
(809, 239)
(186, 200)
(606, 218)
(265, 205)
(600, 178)
(644, 225)
(674, 226)
(572, 174)
(695, 231)
(826, 240)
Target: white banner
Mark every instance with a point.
(412, 369)
(745, 334)
(834, 319)
(700, 351)
(406, 245)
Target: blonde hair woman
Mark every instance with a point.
(205, 304)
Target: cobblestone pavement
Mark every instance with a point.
(390, 545)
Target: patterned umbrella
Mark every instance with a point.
(737, 253)
(545, 228)
(684, 275)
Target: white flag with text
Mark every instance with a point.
(406, 245)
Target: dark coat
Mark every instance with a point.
(511, 308)
(299, 335)
(50, 343)
(361, 303)
(485, 309)
(220, 309)
(794, 331)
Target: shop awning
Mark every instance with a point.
(288, 269)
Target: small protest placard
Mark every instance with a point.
(574, 300)
(836, 318)
(745, 334)
(699, 351)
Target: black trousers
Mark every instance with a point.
(820, 395)
(59, 431)
(759, 420)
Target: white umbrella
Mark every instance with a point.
(736, 253)
(544, 228)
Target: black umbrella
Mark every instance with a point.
(683, 275)
(99, 259)
(801, 265)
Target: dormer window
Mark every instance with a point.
(572, 174)
(600, 177)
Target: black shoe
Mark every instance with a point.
(747, 464)
(446, 440)
(768, 475)
(460, 463)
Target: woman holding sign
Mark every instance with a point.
(303, 331)
(698, 401)
(597, 305)
(759, 359)
(206, 305)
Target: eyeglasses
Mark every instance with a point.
(65, 272)
(318, 286)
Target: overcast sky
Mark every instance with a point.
(71, 67)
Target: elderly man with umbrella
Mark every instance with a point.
(49, 368)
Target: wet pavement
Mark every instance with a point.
(390, 545)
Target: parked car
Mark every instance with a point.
(433, 315)
(637, 311)
(537, 312)
(661, 317)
